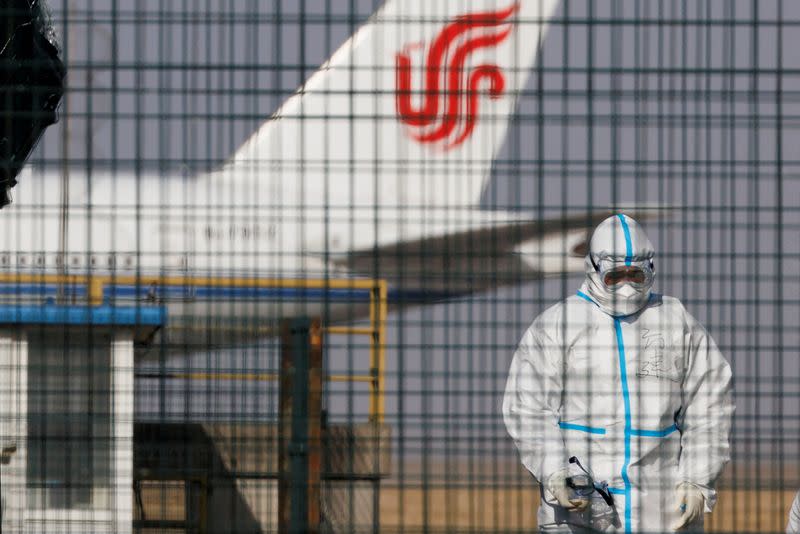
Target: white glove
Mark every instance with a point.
(557, 485)
(689, 500)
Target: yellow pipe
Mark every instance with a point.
(96, 291)
(349, 378)
(349, 330)
(383, 309)
(102, 279)
(308, 283)
(260, 377)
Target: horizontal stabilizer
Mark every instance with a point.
(506, 253)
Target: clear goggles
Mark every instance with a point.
(615, 273)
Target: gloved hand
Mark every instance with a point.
(557, 485)
(690, 501)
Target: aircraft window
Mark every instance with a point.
(4, 259)
(23, 260)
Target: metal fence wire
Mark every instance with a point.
(390, 266)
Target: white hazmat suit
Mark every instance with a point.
(793, 526)
(630, 384)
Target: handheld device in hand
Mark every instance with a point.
(584, 485)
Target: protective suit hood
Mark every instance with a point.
(618, 240)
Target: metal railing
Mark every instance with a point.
(93, 289)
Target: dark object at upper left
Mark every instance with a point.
(31, 84)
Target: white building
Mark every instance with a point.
(66, 416)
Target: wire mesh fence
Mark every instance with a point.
(385, 266)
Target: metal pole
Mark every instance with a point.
(300, 427)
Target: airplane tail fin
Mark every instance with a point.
(412, 109)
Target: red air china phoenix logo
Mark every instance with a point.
(448, 111)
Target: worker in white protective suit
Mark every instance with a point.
(619, 401)
(793, 526)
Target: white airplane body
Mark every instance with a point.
(373, 169)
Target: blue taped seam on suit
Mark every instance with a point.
(634, 431)
(628, 245)
(627, 402)
(629, 430)
(654, 433)
(584, 296)
(582, 428)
